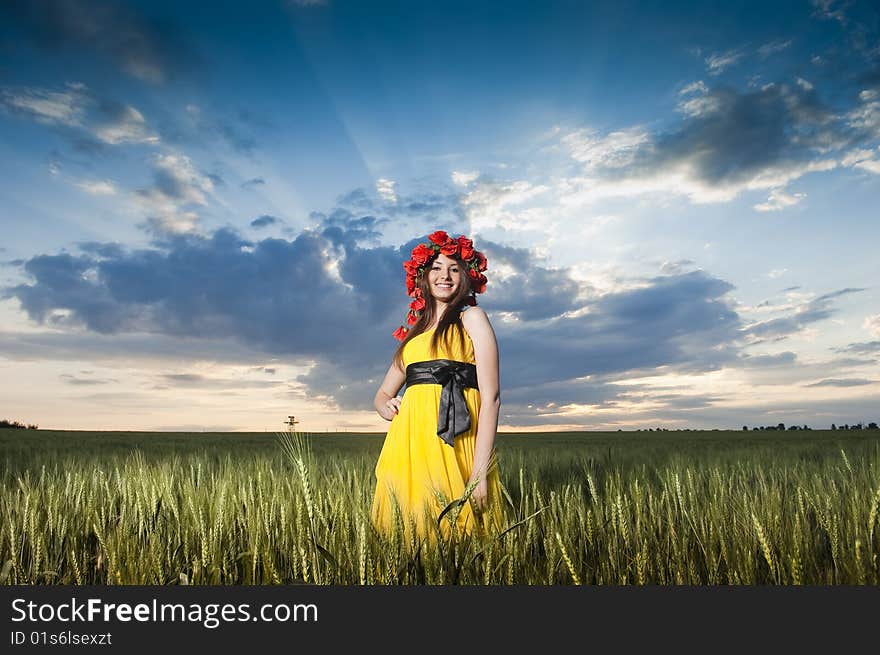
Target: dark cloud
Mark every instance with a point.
(264, 221)
(533, 292)
(85, 381)
(834, 382)
(682, 322)
(785, 359)
(256, 181)
(150, 49)
(744, 134)
(845, 362)
(195, 381)
(428, 209)
(861, 348)
(817, 309)
(275, 295)
(103, 250)
(679, 401)
(541, 397)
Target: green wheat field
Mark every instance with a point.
(615, 508)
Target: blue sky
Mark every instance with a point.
(205, 212)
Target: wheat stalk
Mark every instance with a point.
(567, 559)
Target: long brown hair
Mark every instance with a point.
(451, 319)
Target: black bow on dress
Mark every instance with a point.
(453, 417)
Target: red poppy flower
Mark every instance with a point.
(466, 246)
(400, 333)
(418, 304)
(422, 253)
(449, 248)
(482, 264)
(439, 237)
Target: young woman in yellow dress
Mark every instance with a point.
(441, 441)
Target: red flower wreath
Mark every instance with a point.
(440, 243)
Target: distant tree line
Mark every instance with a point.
(846, 426)
(779, 426)
(5, 423)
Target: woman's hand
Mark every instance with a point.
(480, 494)
(390, 409)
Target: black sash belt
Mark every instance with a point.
(454, 417)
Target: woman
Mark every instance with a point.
(442, 433)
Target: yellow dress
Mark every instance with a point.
(418, 469)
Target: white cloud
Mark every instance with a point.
(188, 184)
(830, 10)
(49, 107)
(806, 86)
(717, 62)
(699, 106)
(863, 159)
(76, 107)
(675, 267)
(872, 325)
(179, 187)
(128, 127)
(614, 150)
(779, 199)
(680, 179)
(867, 115)
(386, 191)
(694, 87)
(870, 165)
(97, 187)
(174, 221)
(774, 46)
(464, 178)
(491, 205)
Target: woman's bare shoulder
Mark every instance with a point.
(475, 318)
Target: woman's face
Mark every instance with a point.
(444, 277)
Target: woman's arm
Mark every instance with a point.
(482, 335)
(386, 401)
